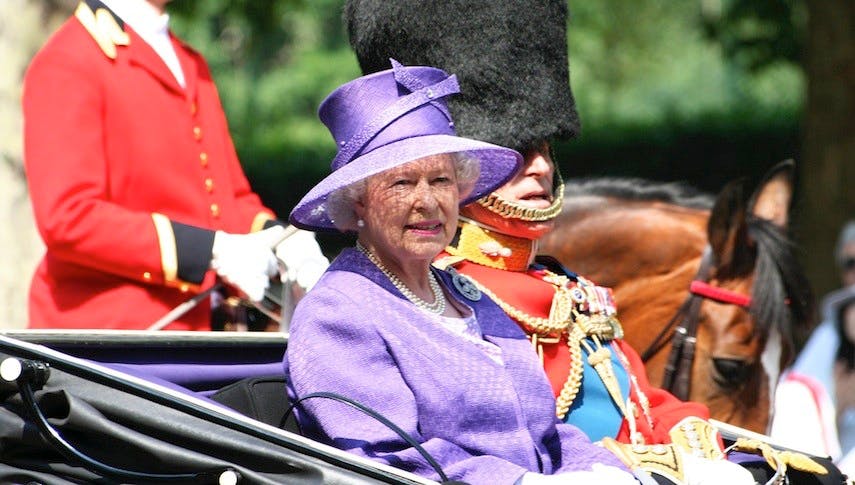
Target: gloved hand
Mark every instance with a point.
(679, 465)
(302, 257)
(246, 261)
(704, 460)
(705, 471)
(598, 475)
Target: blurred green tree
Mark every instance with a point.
(703, 91)
(273, 62)
(819, 37)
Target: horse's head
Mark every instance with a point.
(647, 241)
(755, 296)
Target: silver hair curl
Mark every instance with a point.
(340, 203)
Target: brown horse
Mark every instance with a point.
(715, 279)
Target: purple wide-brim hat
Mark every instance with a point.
(387, 119)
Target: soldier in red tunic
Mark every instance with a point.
(136, 187)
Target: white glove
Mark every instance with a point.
(302, 257)
(599, 475)
(704, 471)
(246, 261)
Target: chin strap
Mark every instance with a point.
(513, 210)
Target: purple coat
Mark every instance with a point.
(356, 335)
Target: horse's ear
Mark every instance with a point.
(772, 198)
(727, 229)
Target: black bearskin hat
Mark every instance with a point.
(510, 57)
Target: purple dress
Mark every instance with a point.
(483, 421)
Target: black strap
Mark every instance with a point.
(678, 370)
(379, 417)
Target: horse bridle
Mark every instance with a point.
(678, 370)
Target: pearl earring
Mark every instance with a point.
(360, 223)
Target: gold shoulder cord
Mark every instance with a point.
(565, 318)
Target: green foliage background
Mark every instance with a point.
(700, 91)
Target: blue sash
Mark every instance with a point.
(593, 411)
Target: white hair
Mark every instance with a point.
(340, 203)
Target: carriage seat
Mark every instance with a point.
(262, 398)
(254, 390)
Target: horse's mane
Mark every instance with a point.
(638, 189)
(781, 292)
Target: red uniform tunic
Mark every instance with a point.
(525, 290)
(130, 175)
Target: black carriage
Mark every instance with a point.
(159, 407)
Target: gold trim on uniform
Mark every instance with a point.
(577, 313)
(566, 319)
(473, 238)
(664, 460)
(259, 220)
(779, 459)
(513, 210)
(698, 437)
(103, 28)
(168, 251)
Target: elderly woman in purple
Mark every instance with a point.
(419, 346)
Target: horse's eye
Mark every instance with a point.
(730, 372)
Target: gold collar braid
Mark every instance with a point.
(513, 210)
(487, 247)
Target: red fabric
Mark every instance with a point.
(721, 295)
(529, 293)
(107, 143)
(665, 409)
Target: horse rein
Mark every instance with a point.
(678, 369)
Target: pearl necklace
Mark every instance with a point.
(438, 305)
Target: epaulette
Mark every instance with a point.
(552, 264)
(103, 25)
